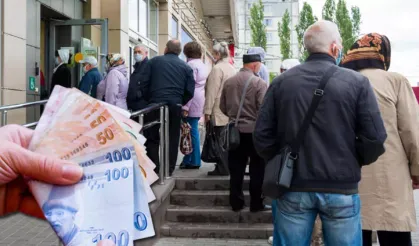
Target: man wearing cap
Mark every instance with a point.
(60, 210)
(264, 72)
(91, 77)
(245, 81)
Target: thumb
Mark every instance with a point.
(16, 161)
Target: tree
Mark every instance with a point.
(284, 33)
(356, 21)
(346, 28)
(256, 25)
(329, 10)
(306, 19)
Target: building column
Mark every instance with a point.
(13, 59)
(165, 25)
(117, 13)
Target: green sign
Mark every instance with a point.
(32, 81)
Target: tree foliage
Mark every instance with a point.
(257, 26)
(329, 9)
(284, 33)
(356, 20)
(306, 19)
(344, 22)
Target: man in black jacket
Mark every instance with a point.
(327, 170)
(134, 102)
(166, 79)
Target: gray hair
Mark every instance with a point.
(319, 36)
(141, 47)
(222, 49)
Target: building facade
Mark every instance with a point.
(273, 11)
(27, 43)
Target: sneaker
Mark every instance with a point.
(271, 240)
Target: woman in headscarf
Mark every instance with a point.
(61, 74)
(386, 185)
(113, 88)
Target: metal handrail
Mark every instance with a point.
(163, 122)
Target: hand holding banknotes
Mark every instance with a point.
(16, 161)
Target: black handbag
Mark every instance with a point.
(211, 151)
(279, 170)
(232, 133)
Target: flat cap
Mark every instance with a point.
(248, 58)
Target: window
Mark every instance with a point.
(153, 21)
(269, 36)
(143, 17)
(184, 39)
(268, 22)
(249, 5)
(133, 15)
(269, 64)
(174, 28)
(267, 9)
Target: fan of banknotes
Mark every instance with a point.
(111, 200)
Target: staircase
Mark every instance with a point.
(199, 208)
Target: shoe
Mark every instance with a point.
(263, 208)
(183, 166)
(271, 240)
(216, 173)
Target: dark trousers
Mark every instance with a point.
(237, 160)
(387, 238)
(221, 167)
(153, 137)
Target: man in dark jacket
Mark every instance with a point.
(166, 79)
(328, 169)
(91, 78)
(135, 102)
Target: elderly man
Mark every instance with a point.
(345, 132)
(91, 78)
(135, 102)
(264, 72)
(166, 79)
(241, 98)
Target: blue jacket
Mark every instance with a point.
(89, 82)
(167, 79)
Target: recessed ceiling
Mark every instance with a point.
(217, 15)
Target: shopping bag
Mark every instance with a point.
(185, 138)
(211, 151)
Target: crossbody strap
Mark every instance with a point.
(318, 94)
(242, 99)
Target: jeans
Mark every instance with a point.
(296, 212)
(194, 158)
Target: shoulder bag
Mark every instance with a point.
(232, 133)
(279, 170)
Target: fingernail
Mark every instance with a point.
(72, 172)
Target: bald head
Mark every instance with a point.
(323, 37)
(173, 46)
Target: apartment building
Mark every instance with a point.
(273, 11)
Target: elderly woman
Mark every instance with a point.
(61, 74)
(193, 110)
(113, 88)
(219, 73)
(386, 185)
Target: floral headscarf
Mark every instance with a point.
(371, 51)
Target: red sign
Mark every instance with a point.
(416, 91)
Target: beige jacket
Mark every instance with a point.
(386, 187)
(215, 82)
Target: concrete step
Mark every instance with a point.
(207, 183)
(216, 214)
(193, 198)
(231, 230)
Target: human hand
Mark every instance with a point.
(207, 118)
(185, 113)
(17, 162)
(415, 182)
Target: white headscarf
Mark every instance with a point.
(64, 55)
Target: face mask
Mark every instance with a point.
(138, 57)
(57, 61)
(339, 58)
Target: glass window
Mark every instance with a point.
(185, 38)
(268, 22)
(269, 37)
(152, 53)
(143, 17)
(174, 28)
(267, 8)
(153, 21)
(133, 14)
